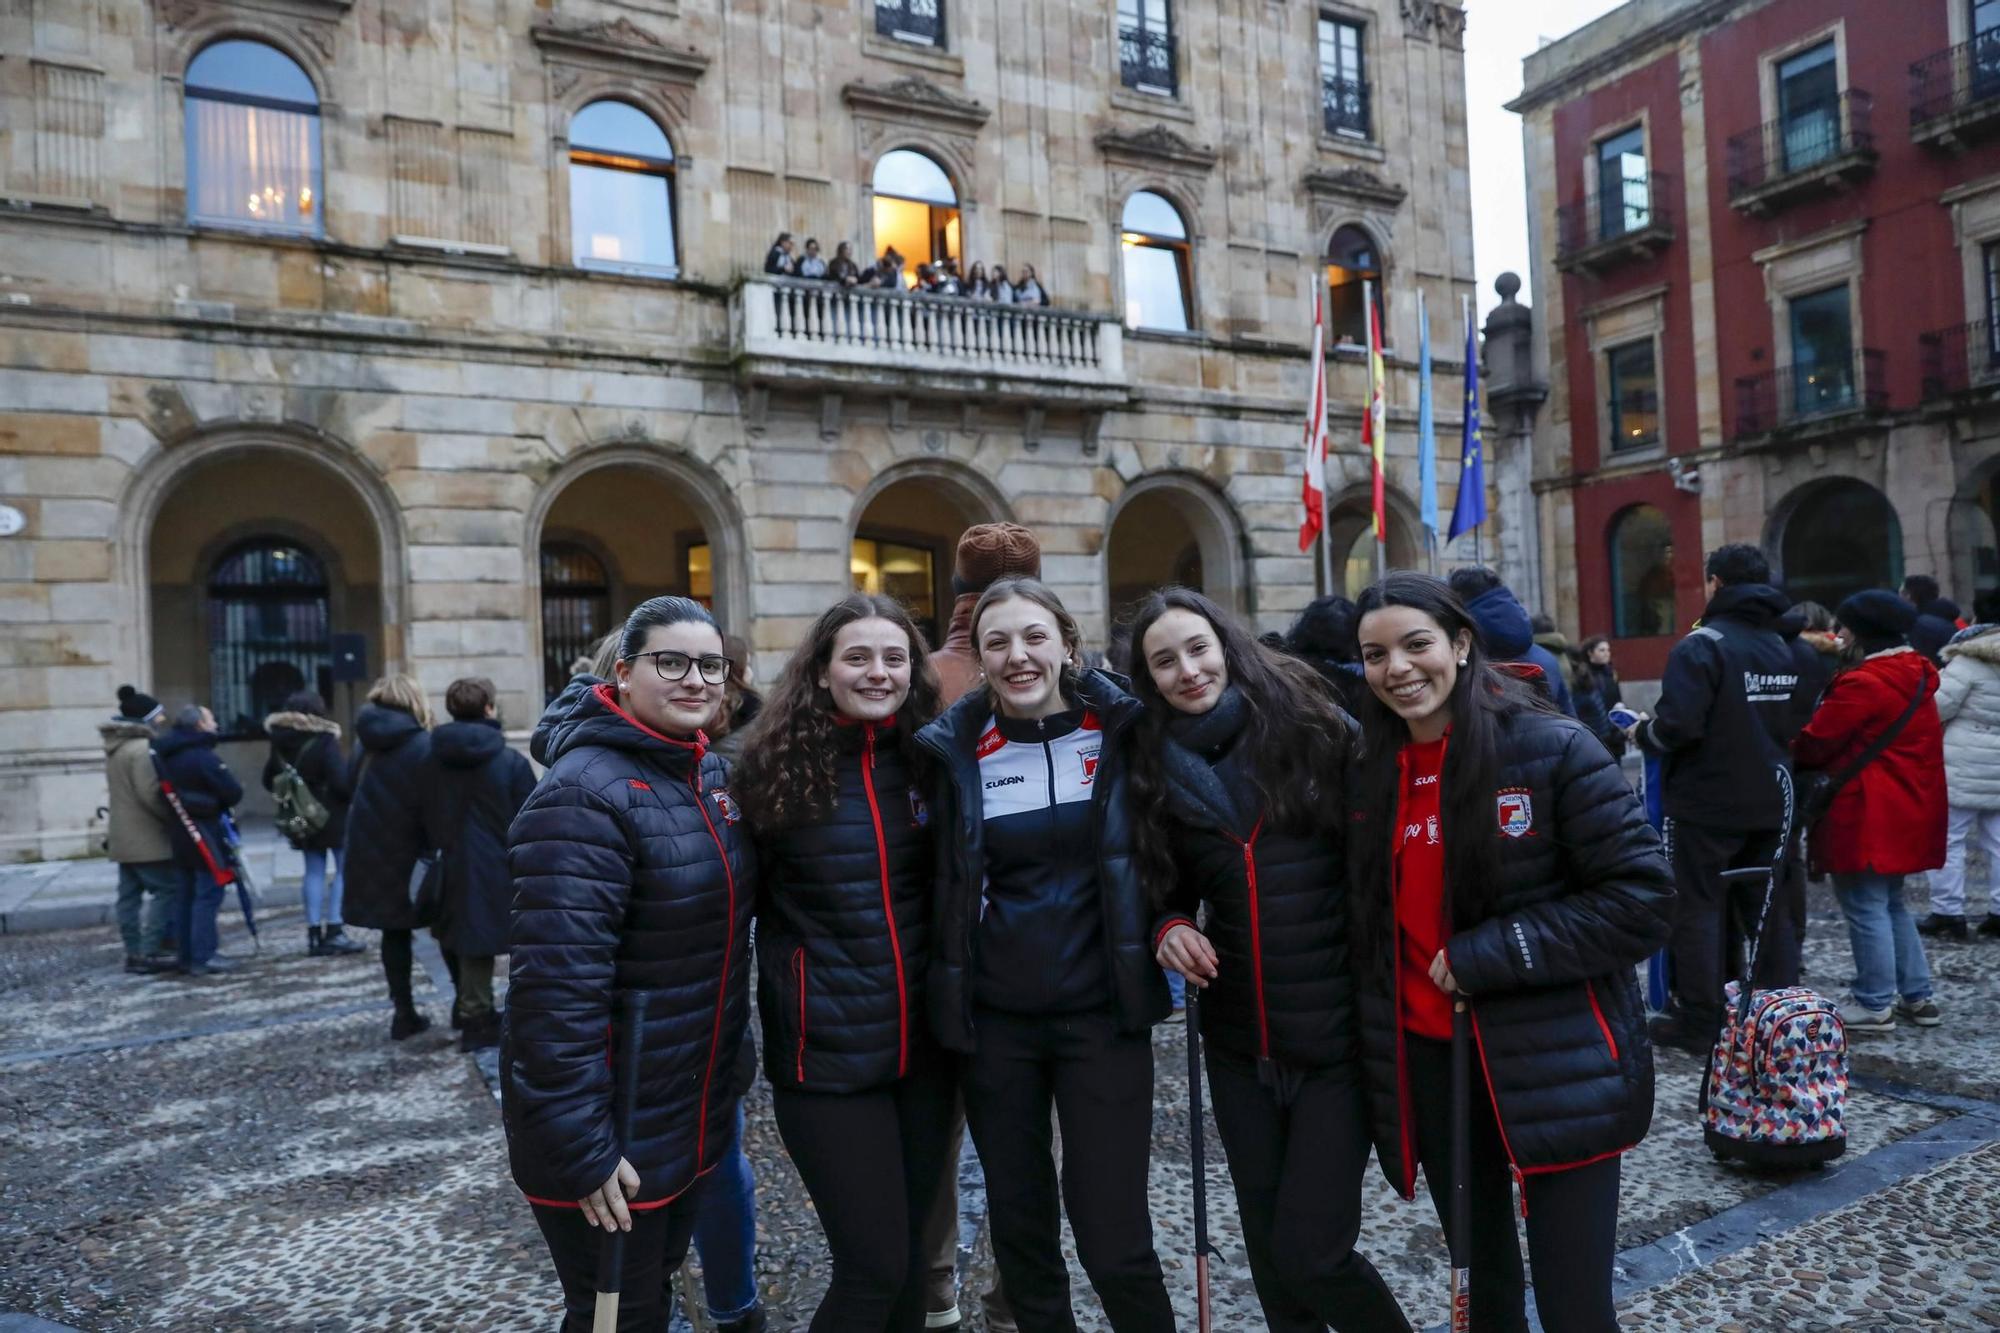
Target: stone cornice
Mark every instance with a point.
(916, 99)
(181, 13)
(1154, 147)
(621, 45)
(1355, 183)
(1644, 45)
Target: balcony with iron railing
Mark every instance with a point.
(1826, 393)
(1146, 60)
(1817, 148)
(823, 335)
(1959, 360)
(1345, 107)
(1955, 94)
(1630, 220)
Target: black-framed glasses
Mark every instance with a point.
(675, 666)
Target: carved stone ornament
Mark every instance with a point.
(620, 45)
(1155, 147)
(178, 13)
(1353, 185)
(182, 13)
(916, 100)
(1420, 16)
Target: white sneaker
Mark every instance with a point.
(1856, 1017)
(1924, 1013)
(943, 1318)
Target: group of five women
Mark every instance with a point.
(981, 900)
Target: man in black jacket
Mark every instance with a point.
(206, 790)
(1723, 729)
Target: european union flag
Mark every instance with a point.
(1469, 511)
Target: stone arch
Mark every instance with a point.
(1181, 194)
(1349, 514)
(248, 25)
(1832, 537)
(1372, 223)
(694, 483)
(665, 103)
(939, 148)
(1209, 521)
(892, 510)
(160, 476)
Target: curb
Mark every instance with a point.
(31, 919)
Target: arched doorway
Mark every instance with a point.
(269, 631)
(1642, 573)
(1350, 531)
(905, 538)
(612, 536)
(1838, 538)
(1171, 530)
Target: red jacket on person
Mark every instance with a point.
(1890, 818)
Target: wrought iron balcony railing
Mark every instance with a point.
(1345, 107)
(1146, 60)
(917, 21)
(1627, 217)
(1811, 391)
(1957, 359)
(1955, 90)
(1825, 141)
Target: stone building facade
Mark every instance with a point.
(349, 336)
(1766, 240)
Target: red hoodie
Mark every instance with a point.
(1890, 818)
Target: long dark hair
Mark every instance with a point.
(1296, 738)
(788, 774)
(1480, 702)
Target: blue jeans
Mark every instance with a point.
(1888, 954)
(200, 899)
(148, 895)
(725, 1233)
(1177, 985)
(316, 889)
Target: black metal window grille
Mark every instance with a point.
(917, 21)
(1343, 79)
(269, 632)
(576, 610)
(1146, 46)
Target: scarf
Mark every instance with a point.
(1194, 744)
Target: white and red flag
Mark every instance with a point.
(1313, 494)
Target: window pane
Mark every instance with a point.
(1822, 353)
(1149, 214)
(1809, 107)
(615, 127)
(1621, 183)
(1642, 574)
(907, 175)
(250, 69)
(1154, 295)
(1635, 397)
(252, 166)
(268, 633)
(918, 21)
(620, 218)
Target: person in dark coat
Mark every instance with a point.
(306, 739)
(862, 1094)
(206, 790)
(1507, 632)
(778, 260)
(386, 834)
(1042, 974)
(476, 787)
(1323, 638)
(1503, 861)
(632, 872)
(1938, 621)
(1236, 775)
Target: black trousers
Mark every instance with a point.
(1099, 1082)
(871, 1162)
(1572, 1215)
(397, 952)
(1297, 1143)
(1707, 944)
(654, 1248)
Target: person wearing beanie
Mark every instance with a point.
(986, 552)
(1888, 818)
(137, 830)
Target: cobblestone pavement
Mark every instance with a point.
(250, 1152)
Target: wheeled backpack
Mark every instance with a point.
(1776, 1092)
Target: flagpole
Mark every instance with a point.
(1465, 317)
(1375, 426)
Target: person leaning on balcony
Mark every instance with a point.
(842, 268)
(1003, 289)
(779, 260)
(1029, 290)
(977, 285)
(811, 265)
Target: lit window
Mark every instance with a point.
(1351, 260)
(1635, 396)
(916, 211)
(1155, 246)
(1642, 574)
(902, 571)
(252, 140)
(621, 191)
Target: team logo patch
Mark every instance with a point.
(920, 813)
(1516, 811)
(1090, 767)
(725, 805)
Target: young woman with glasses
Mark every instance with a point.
(632, 872)
(863, 1096)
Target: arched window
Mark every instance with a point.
(269, 632)
(1842, 537)
(916, 211)
(1642, 574)
(621, 192)
(576, 610)
(1351, 259)
(252, 140)
(1154, 240)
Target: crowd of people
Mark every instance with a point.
(941, 278)
(962, 879)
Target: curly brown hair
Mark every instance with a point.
(787, 775)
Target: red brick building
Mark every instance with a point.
(1766, 245)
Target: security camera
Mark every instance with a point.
(1687, 476)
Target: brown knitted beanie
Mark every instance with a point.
(988, 552)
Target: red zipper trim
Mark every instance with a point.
(645, 1207)
(728, 947)
(609, 698)
(1171, 922)
(1602, 1026)
(888, 908)
(799, 970)
(1257, 941)
(1409, 1189)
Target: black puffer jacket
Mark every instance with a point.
(843, 927)
(311, 745)
(206, 789)
(1139, 989)
(476, 787)
(631, 872)
(1277, 903)
(385, 819)
(1584, 894)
